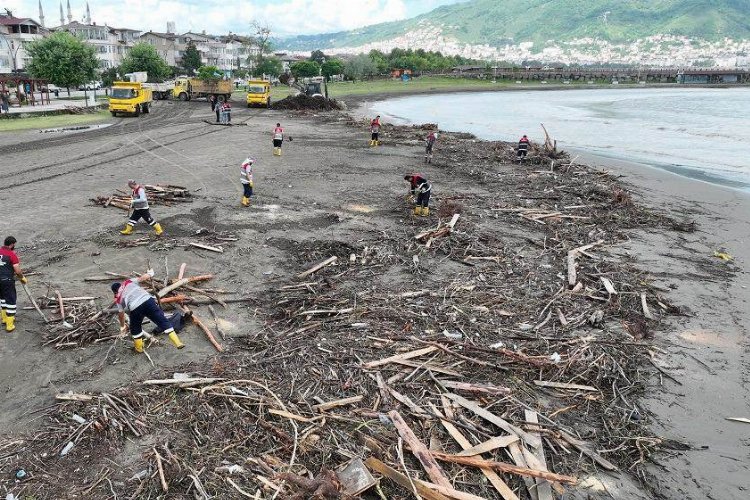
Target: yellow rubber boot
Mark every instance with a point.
(4, 316)
(128, 229)
(176, 340)
(158, 229)
(10, 323)
(417, 210)
(138, 345)
(245, 201)
(425, 211)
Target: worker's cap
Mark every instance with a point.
(249, 161)
(115, 287)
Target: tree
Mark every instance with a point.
(360, 66)
(63, 59)
(261, 43)
(143, 57)
(209, 73)
(270, 66)
(240, 73)
(191, 59)
(318, 56)
(332, 67)
(109, 76)
(304, 69)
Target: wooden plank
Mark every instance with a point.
(489, 445)
(406, 401)
(434, 471)
(543, 487)
(403, 481)
(450, 492)
(318, 267)
(292, 416)
(495, 480)
(472, 406)
(399, 357)
(742, 420)
(517, 455)
(503, 467)
(339, 402)
(563, 385)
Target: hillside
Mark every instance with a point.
(501, 22)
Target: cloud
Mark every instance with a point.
(285, 17)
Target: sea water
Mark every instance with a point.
(695, 132)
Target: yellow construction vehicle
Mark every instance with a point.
(186, 89)
(132, 98)
(258, 93)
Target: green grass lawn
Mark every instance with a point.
(54, 121)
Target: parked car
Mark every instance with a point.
(51, 88)
(90, 86)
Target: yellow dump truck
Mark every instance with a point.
(186, 89)
(258, 93)
(131, 98)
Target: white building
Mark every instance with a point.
(15, 35)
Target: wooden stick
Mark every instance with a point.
(176, 298)
(339, 402)
(216, 321)
(399, 357)
(206, 247)
(537, 459)
(644, 305)
(503, 467)
(183, 267)
(164, 485)
(60, 302)
(318, 267)
(31, 299)
(199, 324)
(562, 385)
(420, 450)
(584, 448)
(489, 445)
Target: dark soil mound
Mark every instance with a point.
(301, 102)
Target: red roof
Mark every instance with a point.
(10, 21)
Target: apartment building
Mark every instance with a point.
(15, 35)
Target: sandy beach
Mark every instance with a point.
(332, 195)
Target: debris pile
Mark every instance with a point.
(157, 195)
(499, 354)
(304, 102)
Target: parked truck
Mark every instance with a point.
(159, 91)
(258, 93)
(193, 88)
(130, 98)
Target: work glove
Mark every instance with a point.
(150, 272)
(23, 280)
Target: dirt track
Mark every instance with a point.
(328, 194)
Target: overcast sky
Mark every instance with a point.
(285, 17)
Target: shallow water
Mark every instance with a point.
(699, 133)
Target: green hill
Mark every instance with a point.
(498, 22)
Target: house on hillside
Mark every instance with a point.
(165, 45)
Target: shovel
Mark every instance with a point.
(31, 298)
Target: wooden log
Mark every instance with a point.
(174, 286)
(608, 286)
(318, 267)
(503, 467)
(400, 357)
(181, 274)
(492, 476)
(644, 305)
(472, 406)
(420, 451)
(175, 298)
(210, 336)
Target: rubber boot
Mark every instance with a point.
(372, 143)
(158, 229)
(138, 345)
(378, 143)
(10, 323)
(417, 210)
(425, 211)
(128, 229)
(245, 201)
(4, 316)
(176, 340)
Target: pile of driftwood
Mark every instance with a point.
(503, 360)
(157, 194)
(82, 321)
